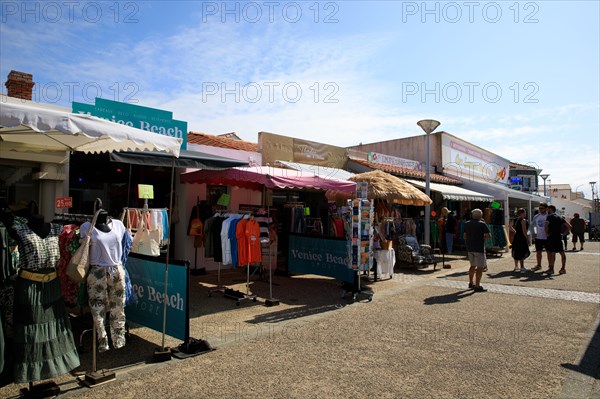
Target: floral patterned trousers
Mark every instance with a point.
(106, 290)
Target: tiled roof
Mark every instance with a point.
(404, 172)
(223, 141)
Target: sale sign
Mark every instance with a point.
(64, 202)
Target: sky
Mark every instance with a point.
(518, 78)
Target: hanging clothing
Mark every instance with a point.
(240, 234)
(68, 287)
(233, 242)
(208, 237)
(44, 347)
(252, 233)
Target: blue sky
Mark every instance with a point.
(520, 79)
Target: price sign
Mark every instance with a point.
(64, 202)
(223, 200)
(145, 191)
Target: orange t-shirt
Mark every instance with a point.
(252, 233)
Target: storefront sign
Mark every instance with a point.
(321, 256)
(274, 147)
(148, 280)
(150, 119)
(65, 202)
(469, 162)
(377, 157)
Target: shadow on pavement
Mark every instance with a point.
(449, 298)
(590, 362)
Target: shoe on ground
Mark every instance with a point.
(536, 267)
(479, 289)
(471, 286)
(523, 270)
(516, 270)
(549, 271)
(562, 271)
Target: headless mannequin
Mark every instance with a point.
(103, 222)
(38, 226)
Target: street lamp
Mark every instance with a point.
(593, 183)
(544, 177)
(428, 126)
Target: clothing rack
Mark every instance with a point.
(220, 288)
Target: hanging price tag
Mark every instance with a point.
(145, 191)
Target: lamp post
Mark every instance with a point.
(428, 126)
(544, 177)
(595, 205)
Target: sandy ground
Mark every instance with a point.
(413, 340)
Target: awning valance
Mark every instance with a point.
(453, 193)
(257, 177)
(187, 159)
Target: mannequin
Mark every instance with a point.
(106, 278)
(43, 341)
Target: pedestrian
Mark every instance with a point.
(565, 232)
(577, 229)
(449, 227)
(520, 246)
(555, 227)
(475, 233)
(539, 234)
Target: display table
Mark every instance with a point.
(386, 259)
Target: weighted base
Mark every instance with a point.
(39, 391)
(272, 302)
(99, 377)
(198, 272)
(162, 355)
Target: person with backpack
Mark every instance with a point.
(555, 228)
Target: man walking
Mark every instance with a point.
(475, 233)
(554, 231)
(577, 228)
(539, 234)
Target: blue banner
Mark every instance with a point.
(148, 280)
(320, 255)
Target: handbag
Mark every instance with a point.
(79, 265)
(146, 242)
(196, 226)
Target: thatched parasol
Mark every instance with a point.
(389, 187)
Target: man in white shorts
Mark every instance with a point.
(475, 233)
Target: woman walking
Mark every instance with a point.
(520, 246)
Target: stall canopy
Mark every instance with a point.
(389, 187)
(321, 171)
(27, 126)
(259, 177)
(187, 159)
(453, 193)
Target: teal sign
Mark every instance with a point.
(144, 118)
(148, 281)
(320, 256)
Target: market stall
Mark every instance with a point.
(384, 190)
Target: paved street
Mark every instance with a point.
(424, 335)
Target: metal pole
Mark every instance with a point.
(427, 191)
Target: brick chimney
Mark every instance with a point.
(20, 85)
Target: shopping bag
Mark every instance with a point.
(196, 226)
(79, 265)
(146, 242)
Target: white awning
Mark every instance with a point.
(500, 192)
(320, 171)
(453, 193)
